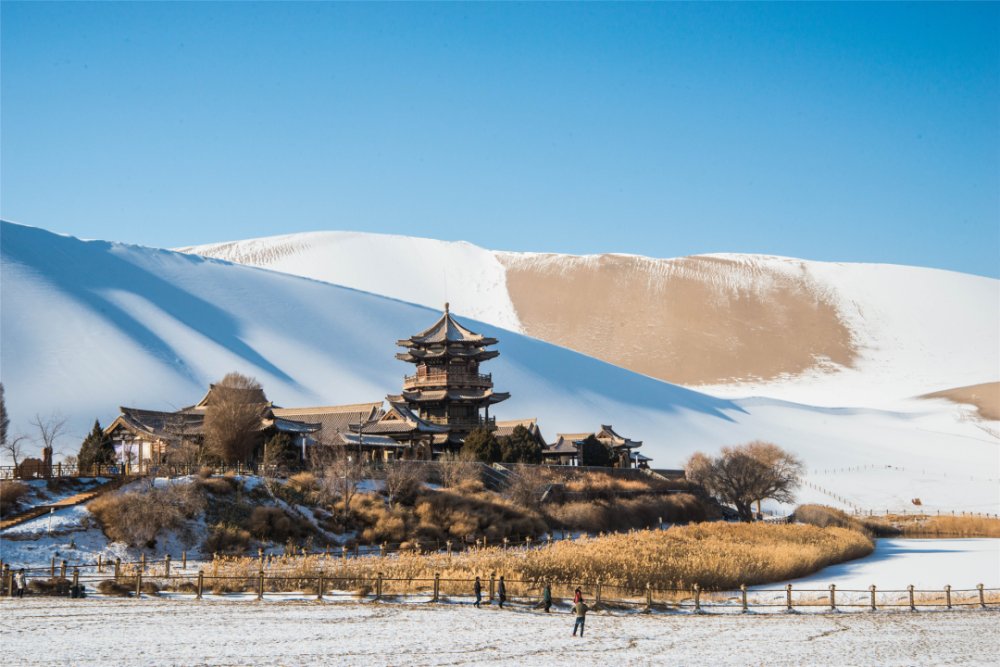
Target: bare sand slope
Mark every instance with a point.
(986, 397)
(690, 321)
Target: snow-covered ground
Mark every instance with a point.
(161, 633)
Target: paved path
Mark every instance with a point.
(292, 634)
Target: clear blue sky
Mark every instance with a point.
(844, 132)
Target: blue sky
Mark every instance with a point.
(842, 132)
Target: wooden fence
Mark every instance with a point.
(600, 596)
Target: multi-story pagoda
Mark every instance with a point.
(448, 388)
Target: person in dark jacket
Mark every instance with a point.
(580, 609)
(547, 598)
(502, 591)
(478, 589)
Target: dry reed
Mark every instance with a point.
(715, 556)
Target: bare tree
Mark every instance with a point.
(233, 418)
(338, 472)
(745, 474)
(527, 482)
(50, 428)
(456, 469)
(14, 447)
(403, 480)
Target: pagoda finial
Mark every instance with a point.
(445, 307)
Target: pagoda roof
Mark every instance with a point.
(417, 354)
(446, 330)
(478, 395)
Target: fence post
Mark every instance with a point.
(378, 588)
(437, 586)
(982, 601)
(10, 583)
(52, 568)
(201, 583)
(138, 586)
(788, 598)
(448, 543)
(697, 599)
(416, 547)
(597, 600)
(100, 563)
(62, 569)
(343, 551)
(505, 542)
(910, 590)
(833, 599)
(492, 585)
(947, 596)
(260, 585)
(118, 568)
(76, 576)
(381, 550)
(743, 591)
(166, 565)
(527, 542)
(184, 560)
(872, 589)
(144, 562)
(649, 599)
(319, 587)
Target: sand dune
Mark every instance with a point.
(824, 333)
(690, 321)
(986, 398)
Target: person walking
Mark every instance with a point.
(577, 596)
(580, 609)
(22, 583)
(547, 598)
(478, 590)
(502, 591)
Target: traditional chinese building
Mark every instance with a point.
(448, 388)
(567, 448)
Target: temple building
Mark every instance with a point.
(445, 399)
(448, 388)
(567, 448)
(145, 437)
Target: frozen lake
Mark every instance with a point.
(926, 564)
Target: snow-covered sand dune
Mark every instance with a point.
(823, 333)
(91, 325)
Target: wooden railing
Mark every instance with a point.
(448, 379)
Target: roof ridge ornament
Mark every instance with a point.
(445, 307)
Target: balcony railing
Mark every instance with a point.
(462, 421)
(448, 379)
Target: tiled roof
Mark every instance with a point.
(333, 418)
(447, 330)
(561, 447)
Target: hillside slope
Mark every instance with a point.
(87, 326)
(823, 333)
